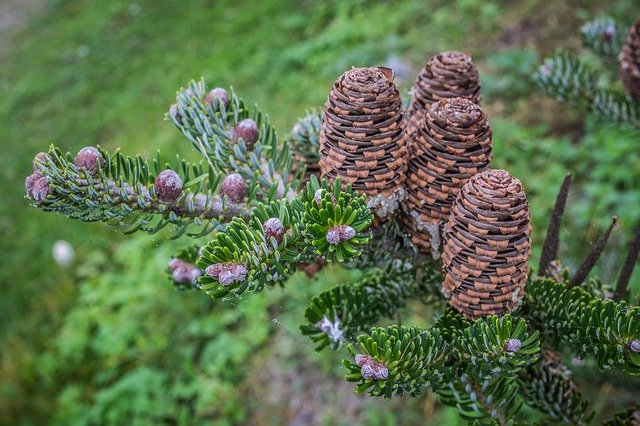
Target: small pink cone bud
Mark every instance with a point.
(340, 233)
(40, 157)
(218, 94)
(362, 359)
(227, 273)
(634, 346)
(40, 190)
(318, 197)
(30, 182)
(233, 186)
(372, 369)
(247, 129)
(168, 186)
(174, 112)
(273, 227)
(175, 263)
(512, 345)
(90, 159)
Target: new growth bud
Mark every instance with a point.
(340, 233)
(168, 186)
(512, 345)
(634, 346)
(36, 186)
(233, 186)
(183, 272)
(90, 159)
(370, 368)
(227, 273)
(247, 129)
(40, 157)
(219, 95)
(273, 227)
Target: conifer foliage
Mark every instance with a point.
(407, 196)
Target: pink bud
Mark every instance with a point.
(175, 263)
(227, 273)
(40, 189)
(362, 359)
(40, 157)
(168, 186)
(512, 345)
(340, 233)
(233, 186)
(634, 345)
(247, 129)
(273, 227)
(90, 159)
(219, 95)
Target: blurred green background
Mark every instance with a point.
(107, 340)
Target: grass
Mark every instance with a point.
(104, 72)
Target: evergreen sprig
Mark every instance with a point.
(209, 124)
(339, 314)
(604, 35)
(564, 77)
(121, 193)
(608, 330)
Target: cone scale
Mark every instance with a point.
(487, 246)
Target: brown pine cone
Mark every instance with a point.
(452, 144)
(361, 138)
(447, 75)
(630, 62)
(487, 246)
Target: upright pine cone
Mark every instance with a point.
(447, 75)
(487, 246)
(630, 62)
(451, 144)
(361, 138)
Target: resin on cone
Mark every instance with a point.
(487, 246)
(630, 62)
(361, 138)
(452, 144)
(446, 75)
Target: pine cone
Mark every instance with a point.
(361, 139)
(487, 246)
(447, 75)
(452, 143)
(630, 62)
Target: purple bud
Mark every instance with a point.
(273, 227)
(220, 95)
(195, 273)
(374, 370)
(30, 182)
(233, 186)
(168, 186)
(40, 157)
(362, 359)
(512, 345)
(40, 189)
(175, 263)
(634, 346)
(90, 159)
(247, 129)
(174, 112)
(227, 273)
(340, 233)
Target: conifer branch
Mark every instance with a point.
(604, 35)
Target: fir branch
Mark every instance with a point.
(552, 240)
(565, 78)
(122, 192)
(615, 107)
(547, 386)
(608, 330)
(604, 35)
(339, 314)
(593, 256)
(234, 139)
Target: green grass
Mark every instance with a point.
(104, 72)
